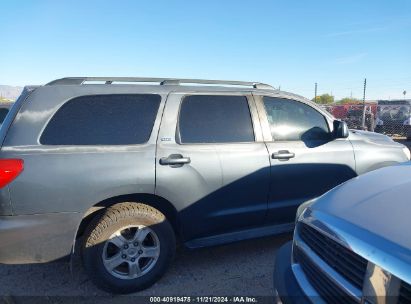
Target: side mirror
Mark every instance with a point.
(340, 129)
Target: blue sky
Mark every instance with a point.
(289, 43)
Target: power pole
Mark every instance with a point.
(315, 93)
(363, 103)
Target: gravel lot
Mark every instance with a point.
(243, 268)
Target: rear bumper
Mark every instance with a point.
(37, 238)
(286, 288)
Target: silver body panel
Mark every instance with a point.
(225, 186)
(73, 178)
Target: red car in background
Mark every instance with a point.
(352, 113)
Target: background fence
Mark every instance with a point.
(390, 118)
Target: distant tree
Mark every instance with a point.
(348, 100)
(324, 99)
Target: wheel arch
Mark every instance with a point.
(152, 200)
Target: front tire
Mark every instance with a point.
(128, 247)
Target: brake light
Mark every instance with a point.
(9, 170)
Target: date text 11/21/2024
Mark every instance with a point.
(204, 299)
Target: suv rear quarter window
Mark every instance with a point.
(103, 120)
(215, 119)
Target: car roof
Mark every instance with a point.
(178, 85)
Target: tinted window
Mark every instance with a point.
(293, 120)
(215, 119)
(103, 120)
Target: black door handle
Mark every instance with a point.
(175, 160)
(283, 155)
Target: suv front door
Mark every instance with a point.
(212, 163)
(306, 159)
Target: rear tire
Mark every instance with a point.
(128, 247)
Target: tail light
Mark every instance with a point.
(9, 170)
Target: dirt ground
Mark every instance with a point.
(243, 268)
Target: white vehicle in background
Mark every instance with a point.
(394, 117)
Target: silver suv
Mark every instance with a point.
(351, 245)
(122, 167)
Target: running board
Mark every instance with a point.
(239, 236)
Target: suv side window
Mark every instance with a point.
(103, 120)
(291, 120)
(215, 119)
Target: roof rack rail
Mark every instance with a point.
(161, 81)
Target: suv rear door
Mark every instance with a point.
(306, 161)
(98, 140)
(212, 163)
